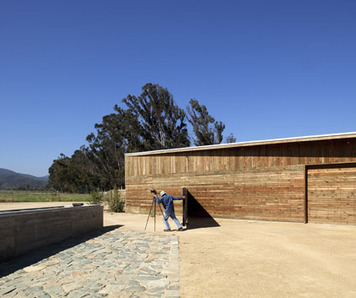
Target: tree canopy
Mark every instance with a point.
(150, 121)
(207, 131)
(162, 122)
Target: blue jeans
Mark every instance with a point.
(173, 216)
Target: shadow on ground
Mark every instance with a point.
(37, 255)
(201, 222)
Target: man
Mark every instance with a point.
(168, 205)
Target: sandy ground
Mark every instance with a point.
(239, 258)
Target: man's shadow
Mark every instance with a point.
(34, 256)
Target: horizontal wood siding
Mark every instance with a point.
(264, 182)
(332, 195)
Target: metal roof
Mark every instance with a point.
(326, 137)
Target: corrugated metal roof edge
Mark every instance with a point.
(250, 143)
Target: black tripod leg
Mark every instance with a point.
(149, 213)
(160, 208)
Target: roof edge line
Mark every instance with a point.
(246, 143)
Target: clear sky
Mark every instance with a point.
(267, 69)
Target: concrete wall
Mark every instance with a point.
(24, 230)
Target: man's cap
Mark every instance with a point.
(162, 193)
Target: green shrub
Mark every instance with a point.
(115, 202)
(96, 197)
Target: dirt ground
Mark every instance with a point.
(238, 258)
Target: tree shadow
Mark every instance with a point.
(37, 255)
(197, 215)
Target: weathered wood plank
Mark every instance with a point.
(332, 195)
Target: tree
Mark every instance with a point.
(60, 174)
(207, 131)
(162, 122)
(83, 171)
(118, 134)
(231, 139)
(151, 121)
(219, 128)
(73, 174)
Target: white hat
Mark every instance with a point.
(162, 193)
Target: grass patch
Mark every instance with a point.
(41, 196)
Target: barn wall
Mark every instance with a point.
(265, 182)
(332, 194)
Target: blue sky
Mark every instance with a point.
(267, 69)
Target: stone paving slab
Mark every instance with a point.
(118, 263)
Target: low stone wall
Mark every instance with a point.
(27, 229)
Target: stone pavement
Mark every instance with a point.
(114, 263)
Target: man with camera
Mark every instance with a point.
(168, 205)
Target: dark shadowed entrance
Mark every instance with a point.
(194, 214)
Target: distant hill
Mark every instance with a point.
(13, 180)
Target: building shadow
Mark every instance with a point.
(39, 254)
(198, 217)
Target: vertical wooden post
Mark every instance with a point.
(306, 195)
(185, 207)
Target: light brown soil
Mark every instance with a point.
(255, 259)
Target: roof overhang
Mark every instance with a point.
(327, 137)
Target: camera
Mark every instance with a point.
(154, 191)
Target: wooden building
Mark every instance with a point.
(306, 179)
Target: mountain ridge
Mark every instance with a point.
(12, 180)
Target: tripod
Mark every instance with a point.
(153, 206)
